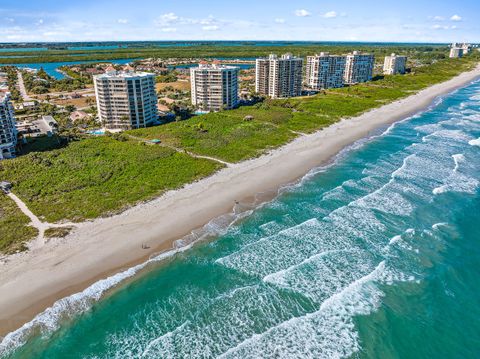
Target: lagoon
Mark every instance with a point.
(52, 67)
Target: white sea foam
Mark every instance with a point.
(457, 181)
(395, 239)
(337, 270)
(438, 225)
(236, 318)
(326, 333)
(475, 142)
(149, 351)
(286, 249)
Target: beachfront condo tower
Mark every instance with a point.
(8, 131)
(126, 99)
(279, 77)
(359, 68)
(460, 49)
(325, 71)
(456, 52)
(395, 65)
(214, 86)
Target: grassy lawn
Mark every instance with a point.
(99, 176)
(14, 228)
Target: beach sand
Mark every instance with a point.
(32, 281)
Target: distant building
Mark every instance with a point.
(126, 100)
(279, 77)
(325, 71)
(29, 105)
(45, 126)
(394, 65)
(28, 129)
(359, 68)
(456, 52)
(214, 87)
(8, 131)
(465, 47)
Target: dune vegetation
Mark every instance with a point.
(14, 227)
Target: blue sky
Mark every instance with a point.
(341, 20)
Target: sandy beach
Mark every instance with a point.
(32, 281)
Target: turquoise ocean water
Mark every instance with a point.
(374, 256)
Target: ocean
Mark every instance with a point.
(375, 255)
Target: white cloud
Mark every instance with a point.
(168, 29)
(456, 18)
(210, 28)
(122, 21)
(171, 20)
(302, 13)
(438, 18)
(444, 27)
(53, 33)
(330, 15)
(280, 21)
(39, 22)
(166, 19)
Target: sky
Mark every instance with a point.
(303, 20)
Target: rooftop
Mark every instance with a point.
(214, 66)
(4, 95)
(123, 74)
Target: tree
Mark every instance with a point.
(70, 108)
(43, 74)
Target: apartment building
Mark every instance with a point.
(456, 52)
(126, 99)
(214, 87)
(8, 131)
(279, 77)
(394, 65)
(325, 71)
(465, 47)
(359, 68)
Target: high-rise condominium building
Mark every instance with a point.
(359, 68)
(395, 65)
(214, 87)
(126, 100)
(279, 77)
(8, 131)
(465, 47)
(325, 71)
(456, 52)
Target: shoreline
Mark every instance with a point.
(32, 281)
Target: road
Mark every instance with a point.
(21, 87)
